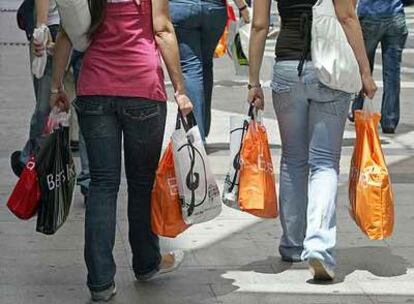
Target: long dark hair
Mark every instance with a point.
(97, 9)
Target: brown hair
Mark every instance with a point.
(97, 9)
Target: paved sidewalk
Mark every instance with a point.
(232, 259)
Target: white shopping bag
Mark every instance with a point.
(238, 128)
(75, 17)
(198, 190)
(41, 35)
(244, 32)
(235, 49)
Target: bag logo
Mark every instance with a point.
(372, 176)
(264, 165)
(56, 180)
(173, 186)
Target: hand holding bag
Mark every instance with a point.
(332, 56)
(199, 193)
(370, 193)
(257, 190)
(41, 35)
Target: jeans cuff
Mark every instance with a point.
(149, 272)
(100, 287)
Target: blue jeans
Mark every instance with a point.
(84, 176)
(199, 25)
(42, 108)
(311, 120)
(104, 122)
(392, 33)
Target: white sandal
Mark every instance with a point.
(178, 260)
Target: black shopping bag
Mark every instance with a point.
(57, 176)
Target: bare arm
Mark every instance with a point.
(260, 28)
(42, 10)
(167, 43)
(63, 49)
(245, 14)
(345, 11)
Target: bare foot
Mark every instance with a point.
(167, 261)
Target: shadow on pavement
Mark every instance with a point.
(379, 261)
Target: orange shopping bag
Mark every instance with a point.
(257, 190)
(370, 193)
(221, 47)
(222, 44)
(166, 217)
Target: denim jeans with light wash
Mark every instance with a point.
(392, 33)
(198, 25)
(311, 120)
(84, 177)
(42, 108)
(104, 122)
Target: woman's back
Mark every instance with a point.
(123, 59)
(296, 19)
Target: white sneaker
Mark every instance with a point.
(178, 260)
(320, 271)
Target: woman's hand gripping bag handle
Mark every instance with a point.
(370, 191)
(257, 190)
(166, 216)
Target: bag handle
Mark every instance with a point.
(188, 121)
(368, 106)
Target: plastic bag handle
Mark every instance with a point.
(368, 106)
(250, 113)
(188, 122)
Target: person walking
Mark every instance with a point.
(383, 22)
(311, 120)
(122, 98)
(46, 15)
(199, 25)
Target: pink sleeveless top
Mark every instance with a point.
(123, 59)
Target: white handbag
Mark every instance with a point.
(197, 187)
(75, 17)
(332, 56)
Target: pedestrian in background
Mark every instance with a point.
(311, 120)
(199, 25)
(383, 22)
(122, 98)
(46, 14)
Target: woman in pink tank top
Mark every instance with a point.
(121, 100)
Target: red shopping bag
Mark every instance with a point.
(166, 216)
(257, 190)
(25, 198)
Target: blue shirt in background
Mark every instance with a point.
(380, 8)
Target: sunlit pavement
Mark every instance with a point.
(232, 259)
